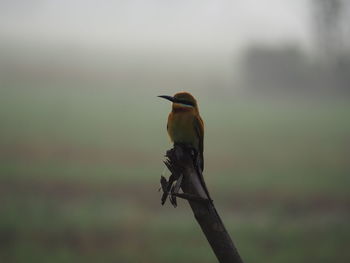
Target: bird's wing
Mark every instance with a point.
(199, 128)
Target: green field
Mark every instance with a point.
(80, 170)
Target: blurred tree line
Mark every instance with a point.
(291, 70)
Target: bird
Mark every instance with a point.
(185, 126)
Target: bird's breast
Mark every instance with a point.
(181, 129)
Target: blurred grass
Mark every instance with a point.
(80, 169)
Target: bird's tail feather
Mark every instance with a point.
(199, 164)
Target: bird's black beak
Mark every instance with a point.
(172, 99)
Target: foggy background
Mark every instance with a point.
(83, 134)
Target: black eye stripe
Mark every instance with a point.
(186, 102)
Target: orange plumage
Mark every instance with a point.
(185, 124)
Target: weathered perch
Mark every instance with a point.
(181, 165)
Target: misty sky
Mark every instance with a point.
(157, 24)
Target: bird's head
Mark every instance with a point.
(182, 100)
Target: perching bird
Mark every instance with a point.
(185, 126)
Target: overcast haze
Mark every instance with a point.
(83, 133)
(155, 24)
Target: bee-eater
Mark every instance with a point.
(185, 126)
